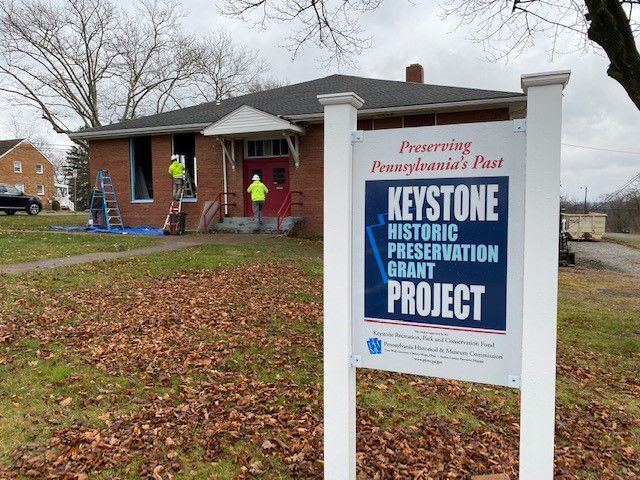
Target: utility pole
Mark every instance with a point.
(585, 200)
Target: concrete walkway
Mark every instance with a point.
(169, 243)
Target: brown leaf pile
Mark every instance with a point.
(231, 361)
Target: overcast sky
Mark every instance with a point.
(597, 111)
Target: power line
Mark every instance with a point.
(600, 149)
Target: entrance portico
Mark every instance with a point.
(268, 143)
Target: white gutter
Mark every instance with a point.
(429, 107)
(126, 132)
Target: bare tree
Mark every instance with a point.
(261, 84)
(226, 69)
(504, 27)
(330, 24)
(83, 63)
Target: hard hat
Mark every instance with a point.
(255, 177)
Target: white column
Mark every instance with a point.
(540, 300)
(340, 118)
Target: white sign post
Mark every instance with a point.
(339, 374)
(540, 300)
(441, 260)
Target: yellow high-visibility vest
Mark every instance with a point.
(258, 191)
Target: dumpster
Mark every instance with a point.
(584, 226)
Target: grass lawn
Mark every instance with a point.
(24, 238)
(26, 246)
(631, 241)
(207, 364)
(43, 221)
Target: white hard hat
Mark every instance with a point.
(255, 177)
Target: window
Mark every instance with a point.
(39, 168)
(17, 167)
(40, 189)
(141, 171)
(276, 147)
(279, 176)
(184, 144)
(19, 189)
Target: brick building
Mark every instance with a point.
(277, 134)
(24, 166)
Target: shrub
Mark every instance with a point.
(55, 205)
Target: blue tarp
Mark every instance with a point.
(141, 230)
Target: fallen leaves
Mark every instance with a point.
(231, 365)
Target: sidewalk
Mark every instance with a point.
(170, 243)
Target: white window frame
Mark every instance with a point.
(246, 147)
(39, 189)
(40, 168)
(20, 186)
(17, 166)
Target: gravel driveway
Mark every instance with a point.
(607, 256)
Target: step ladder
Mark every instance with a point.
(108, 204)
(187, 191)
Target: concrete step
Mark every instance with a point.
(248, 225)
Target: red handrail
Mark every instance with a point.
(220, 203)
(286, 207)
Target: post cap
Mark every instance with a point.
(541, 79)
(349, 98)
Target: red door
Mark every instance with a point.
(274, 173)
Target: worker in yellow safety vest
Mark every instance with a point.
(176, 170)
(258, 192)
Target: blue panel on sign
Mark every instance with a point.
(436, 252)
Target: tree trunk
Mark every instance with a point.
(611, 29)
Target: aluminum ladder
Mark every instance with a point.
(109, 208)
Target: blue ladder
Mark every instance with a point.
(110, 209)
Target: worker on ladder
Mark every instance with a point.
(176, 170)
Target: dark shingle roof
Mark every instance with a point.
(300, 99)
(6, 145)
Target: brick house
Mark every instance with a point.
(277, 134)
(24, 166)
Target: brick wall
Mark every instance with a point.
(30, 157)
(308, 178)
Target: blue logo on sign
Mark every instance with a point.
(375, 346)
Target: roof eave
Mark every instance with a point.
(13, 148)
(197, 127)
(425, 108)
(127, 132)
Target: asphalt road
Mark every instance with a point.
(607, 256)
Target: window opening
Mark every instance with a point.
(184, 144)
(141, 169)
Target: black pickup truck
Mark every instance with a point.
(12, 200)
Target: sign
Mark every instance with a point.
(438, 230)
(435, 265)
(74, 173)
